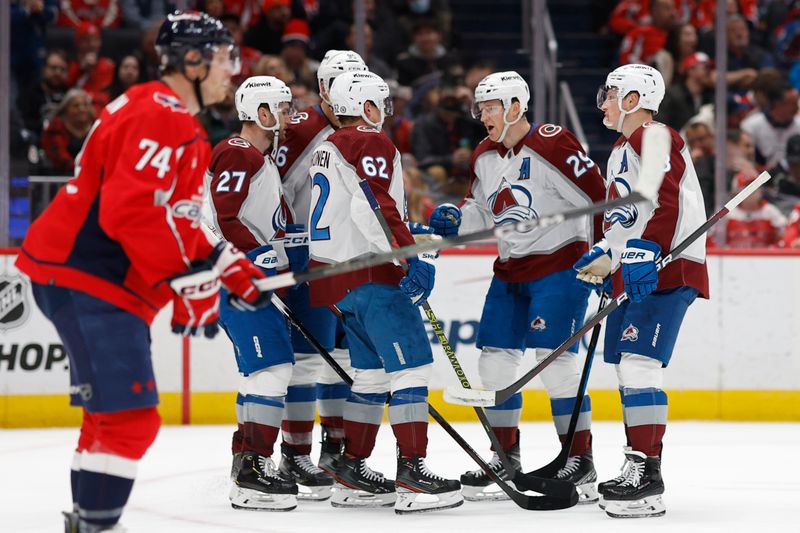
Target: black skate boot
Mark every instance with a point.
(639, 494)
(329, 454)
(580, 471)
(476, 486)
(236, 465)
(259, 487)
(357, 485)
(70, 521)
(313, 483)
(413, 478)
(604, 486)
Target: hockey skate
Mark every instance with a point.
(73, 524)
(357, 485)
(419, 490)
(639, 494)
(313, 483)
(329, 456)
(476, 486)
(236, 465)
(259, 487)
(580, 471)
(602, 487)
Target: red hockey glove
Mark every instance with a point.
(238, 274)
(196, 302)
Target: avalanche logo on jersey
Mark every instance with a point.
(170, 102)
(625, 215)
(538, 324)
(631, 333)
(511, 203)
(279, 223)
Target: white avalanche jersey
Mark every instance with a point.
(306, 131)
(546, 172)
(674, 215)
(341, 222)
(244, 204)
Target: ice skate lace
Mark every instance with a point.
(573, 463)
(623, 471)
(495, 464)
(423, 468)
(305, 464)
(369, 473)
(634, 474)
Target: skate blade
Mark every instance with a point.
(651, 506)
(601, 502)
(409, 502)
(346, 497)
(587, 494)
(314, 494)
(253, 500)
(489, 493)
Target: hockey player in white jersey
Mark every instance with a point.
(389, 348)
(518, 172)
(641, 333)
(313, 381)
(245, 206)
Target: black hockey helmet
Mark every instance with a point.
(191, 30)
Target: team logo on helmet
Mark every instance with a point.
(511, 203)
(14, 306)
(625, 215)
(538, 324)
(631, 333)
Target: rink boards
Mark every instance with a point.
(737, 358)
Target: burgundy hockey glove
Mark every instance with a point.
(238, 274)
(196, 302)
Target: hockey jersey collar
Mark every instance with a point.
(502, 151)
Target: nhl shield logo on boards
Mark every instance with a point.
(14, 306)
(538, 324)
(631, 333)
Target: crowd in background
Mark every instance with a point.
(71, 57)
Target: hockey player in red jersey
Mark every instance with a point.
(518, 172)
(312, 379)
(641, 332)
(119, 242)
(389, 348)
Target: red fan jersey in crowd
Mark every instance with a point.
(641, 43)
(102, 13)
(130, 219)
(791, 236)
(758, 228)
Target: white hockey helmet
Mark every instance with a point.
(263, 90)
(351, 90)
(506, 87)
(642, 79)
(334, 63)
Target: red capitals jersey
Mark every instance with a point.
(760, 228)
(130, 219)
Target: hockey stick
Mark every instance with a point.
(488, 398)
(530, 503)
(560, 461)
(550, 487)
(645, 190)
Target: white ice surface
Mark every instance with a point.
(720, 477)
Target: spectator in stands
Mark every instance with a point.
(442, 142)
(266, 34)
(89, 71)
(215, 8)
(755, 223)
(791, 236)
(700, 139)
(100, 13)
(745, 59)
(39, 102)
(408, 12)
(247, 11)
(63, 136)
(398, 126)
(141, 14)
(642, 42)
(296, 36)
(29, 19)
(476, 72)
(705, 12)
(373, 62)
(221, 119)
(302, 95)
(684, 98)
(129, 72)
(785, 184)
(775, 123)
(147, 47)
(250, 56)
(681, 43)
(418, 200)
(629, 14)
(426, 55)
(270, 65)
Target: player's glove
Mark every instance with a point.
(418, 282)
(445, 220)
(296, 246)
(265, 258)
(422, 234)
(639, 271)
(594, 267)
(239, 274)
(195, 306)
